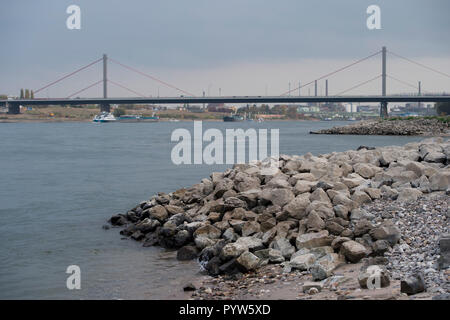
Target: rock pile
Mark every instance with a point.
(413, 127)
(308, 215)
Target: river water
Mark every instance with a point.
(60, 182)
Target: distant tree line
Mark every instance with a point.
(26, 94)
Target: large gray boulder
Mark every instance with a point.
(314, 239)
(353, 251)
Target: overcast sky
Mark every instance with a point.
(244, 47)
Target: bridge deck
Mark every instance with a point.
(230, 100)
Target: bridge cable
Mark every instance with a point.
(68, 75)
(420, 64)
(84, 89)
(403, 82)
(334, 72)
(151, 77)
(131, 90)
(359, 85)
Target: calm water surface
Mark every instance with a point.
(60, 182)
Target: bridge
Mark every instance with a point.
(286, 97)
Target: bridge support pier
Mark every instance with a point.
(105, 107)
(13, 108)
(384, 110)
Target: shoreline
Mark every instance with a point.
(49, 120)
(308, 217)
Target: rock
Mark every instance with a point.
(373, 193)
(250, 227)
(279, 197)
(303, 262)
(213, 266)
(365, 170)
(232, 250)
(353, 251)
(413, 284)
(440, 181)
(319, 252)
(189, 287)
(181, 238)
(268, 224)
(208, 231)
(323, 268)
(158, 212)
(151, 239)
(268, 236)
(373, 277)
(248, 261)
(187, 253)
(436, 157)
(341, 211)
(342, 199)
(296, 208)
(203, 242)
(315, 222)
(230, 235)
(379, 247)
(173, 210)
(237, 225)
(362, 227)
(307, 286)
(388, 192)
(137, 235)
(313, 291)
(314, 239)
(275, 256)
(334, 228)
(338, 241)
(283, 245)
(222, 186)
(319, 195)
(302, 186)
(408, 195)
(233, 203)
(250, 243)
(263, 254)
(191, 227)
(353, 181)
(387, 232)
(118, 220)
(358, 214)
(248, 183)
(361, 197)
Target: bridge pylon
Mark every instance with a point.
(384, 104)
(105, 106)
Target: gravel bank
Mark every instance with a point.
(414, 127)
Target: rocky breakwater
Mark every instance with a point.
(307, 216)
(404, 127)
